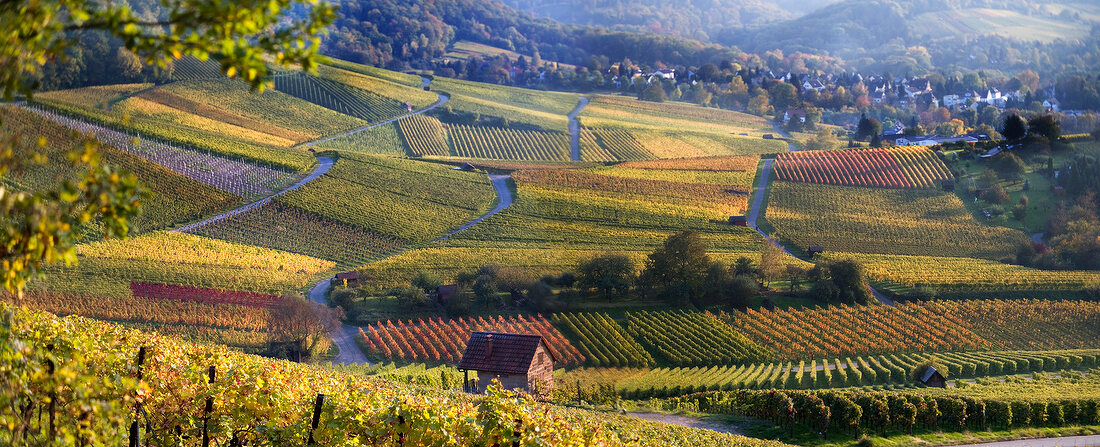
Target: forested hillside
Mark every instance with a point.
(696, 19)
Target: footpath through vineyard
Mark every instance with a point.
(758, 203)
(575, 129)
(442, 99)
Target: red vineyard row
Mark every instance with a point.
(856, 168)
(201, 295)
(438, 340)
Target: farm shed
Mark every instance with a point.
(349, 279)
(519, 361)
(815, 250)
(948, 185)
(740, 221)
(445, 292)
(933, 378)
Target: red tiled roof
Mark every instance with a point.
(348, 275)
(500, 352)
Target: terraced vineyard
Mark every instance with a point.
(436, 340)
(884, 221)
(288, 228)
(859, 330)
(424, 135)
(270, 399)
(174, 198)
(955, 274)
(235, 177)
(508, 144)
(392, 86)
(384, 139)
(562, 216)
(271, 112)
(904, 167)
(922, 327)
(691, 339)
(405, 199)
(108, 268)
(619, 144)
(602, 341)
(339, 97)
(153, 121)
(840, 372)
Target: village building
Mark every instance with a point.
(519, 361)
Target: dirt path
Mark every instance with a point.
(575, 129)
(685, 421)
(504, 200)
(757, 207)
(1067, 441)
(323, 165)
(442, 99)
(344, 337)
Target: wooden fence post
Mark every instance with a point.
(137, 407)
(316, 417)
(207, 410)
(52, 394)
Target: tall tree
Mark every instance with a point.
(678, 268)
(1046, 126)
(1015, 128)
(610, 274)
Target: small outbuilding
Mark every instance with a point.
(933, 378)
(948, 185)
(349, 278)
(769, 136)
(445, 292)
(466, 167)
(519, 361)
(814, 250)
(740, 221)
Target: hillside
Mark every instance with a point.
(881, 35)
(269, 401)
(693, 19)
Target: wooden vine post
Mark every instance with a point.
(320, 402)
(137, 406)
(208, 409)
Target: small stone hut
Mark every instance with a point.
(519, 361)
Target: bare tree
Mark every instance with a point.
(298, 328)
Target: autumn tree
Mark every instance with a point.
(298, 329)
(771, 263)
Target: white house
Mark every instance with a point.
(951, 101)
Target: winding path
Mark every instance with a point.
(758, 205)
(323, 165)
(442, 99)
(1065, 441)
(344, 336)
(575, 129)
(504, 200)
